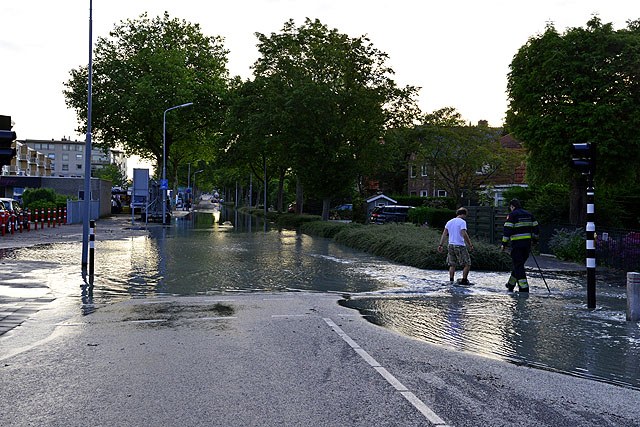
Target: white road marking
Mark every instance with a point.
(426, 411)
(393, 381)
(147, 321)
(289, 315)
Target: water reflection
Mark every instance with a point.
(555, 333)
(222, 251)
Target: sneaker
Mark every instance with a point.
(463, 282)
(509, 287)
(523, 290)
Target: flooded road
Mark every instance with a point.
(199, 255)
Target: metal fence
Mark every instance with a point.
(615, 247)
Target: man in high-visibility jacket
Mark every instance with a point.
(521, 228)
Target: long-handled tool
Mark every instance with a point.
(539, 269)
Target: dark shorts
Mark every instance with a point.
(458, 256)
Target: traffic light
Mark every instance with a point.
(584, 158)
(6, 152)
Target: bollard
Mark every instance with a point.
(2, 222)
(65, 216)
(92, 242)
(42, 218)
(28, 219)
(12, 221)
(48, 217)
(633, 296)
(21, 219)
(53, 218)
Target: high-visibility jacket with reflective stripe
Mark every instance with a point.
(520, 227)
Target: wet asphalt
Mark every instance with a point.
(264, 359)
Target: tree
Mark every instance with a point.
(579, 86)
(111, 173)
(464, 157)
(143, 68)
(337, 98)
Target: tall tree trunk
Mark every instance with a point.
(578, 201)
(281, 189)
(326, 203)
(299, 197)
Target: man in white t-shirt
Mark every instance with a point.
(457, 254)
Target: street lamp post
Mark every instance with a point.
(194, 180)
(164, 158)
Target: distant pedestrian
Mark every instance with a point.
(520, 228)
(457, 253)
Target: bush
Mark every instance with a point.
(434, 217)
(569, 245)
(44, 198)
(406, 244)
(432, 202)
(294, 221)
(31, 195)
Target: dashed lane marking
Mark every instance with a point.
(393, 381)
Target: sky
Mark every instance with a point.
(458, 52)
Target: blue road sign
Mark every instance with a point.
(164, 184)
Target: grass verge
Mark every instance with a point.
(406, 244)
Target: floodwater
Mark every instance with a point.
(200, 255)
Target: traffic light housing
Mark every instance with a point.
(584, 158)
(6, 152)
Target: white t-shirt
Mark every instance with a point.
(454, 227)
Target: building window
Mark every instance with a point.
(65, 167)
(424, 193)
(412, 193)
(78, 147)
(413, 171)
(52, 146)
(442, 193)
(78, 166)
(52, 156)
(424, 169)
(36, 146)
(65, 157)
(65, 147)
(78, 156)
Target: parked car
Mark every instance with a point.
(389, 213)
(346, 206)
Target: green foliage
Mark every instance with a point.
(292, 220)
(524, 194)
(406, 244)
(434, 217)
(143, 68)
(550, 204)
(319, 104)
(569, 245)
(578, 86)
(359, 214)
(32, 195)
(112, 173)
(44, 198)
(465, 156)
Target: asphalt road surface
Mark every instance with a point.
(264, 359)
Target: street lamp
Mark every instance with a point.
(164, 157)
(194, 180)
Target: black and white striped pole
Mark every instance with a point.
(591, 245)
(584, 160)
(92, 246)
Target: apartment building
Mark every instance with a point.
(67, 157)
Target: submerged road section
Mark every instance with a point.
(271, 359)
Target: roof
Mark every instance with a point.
(380, 196)
(508, 141)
